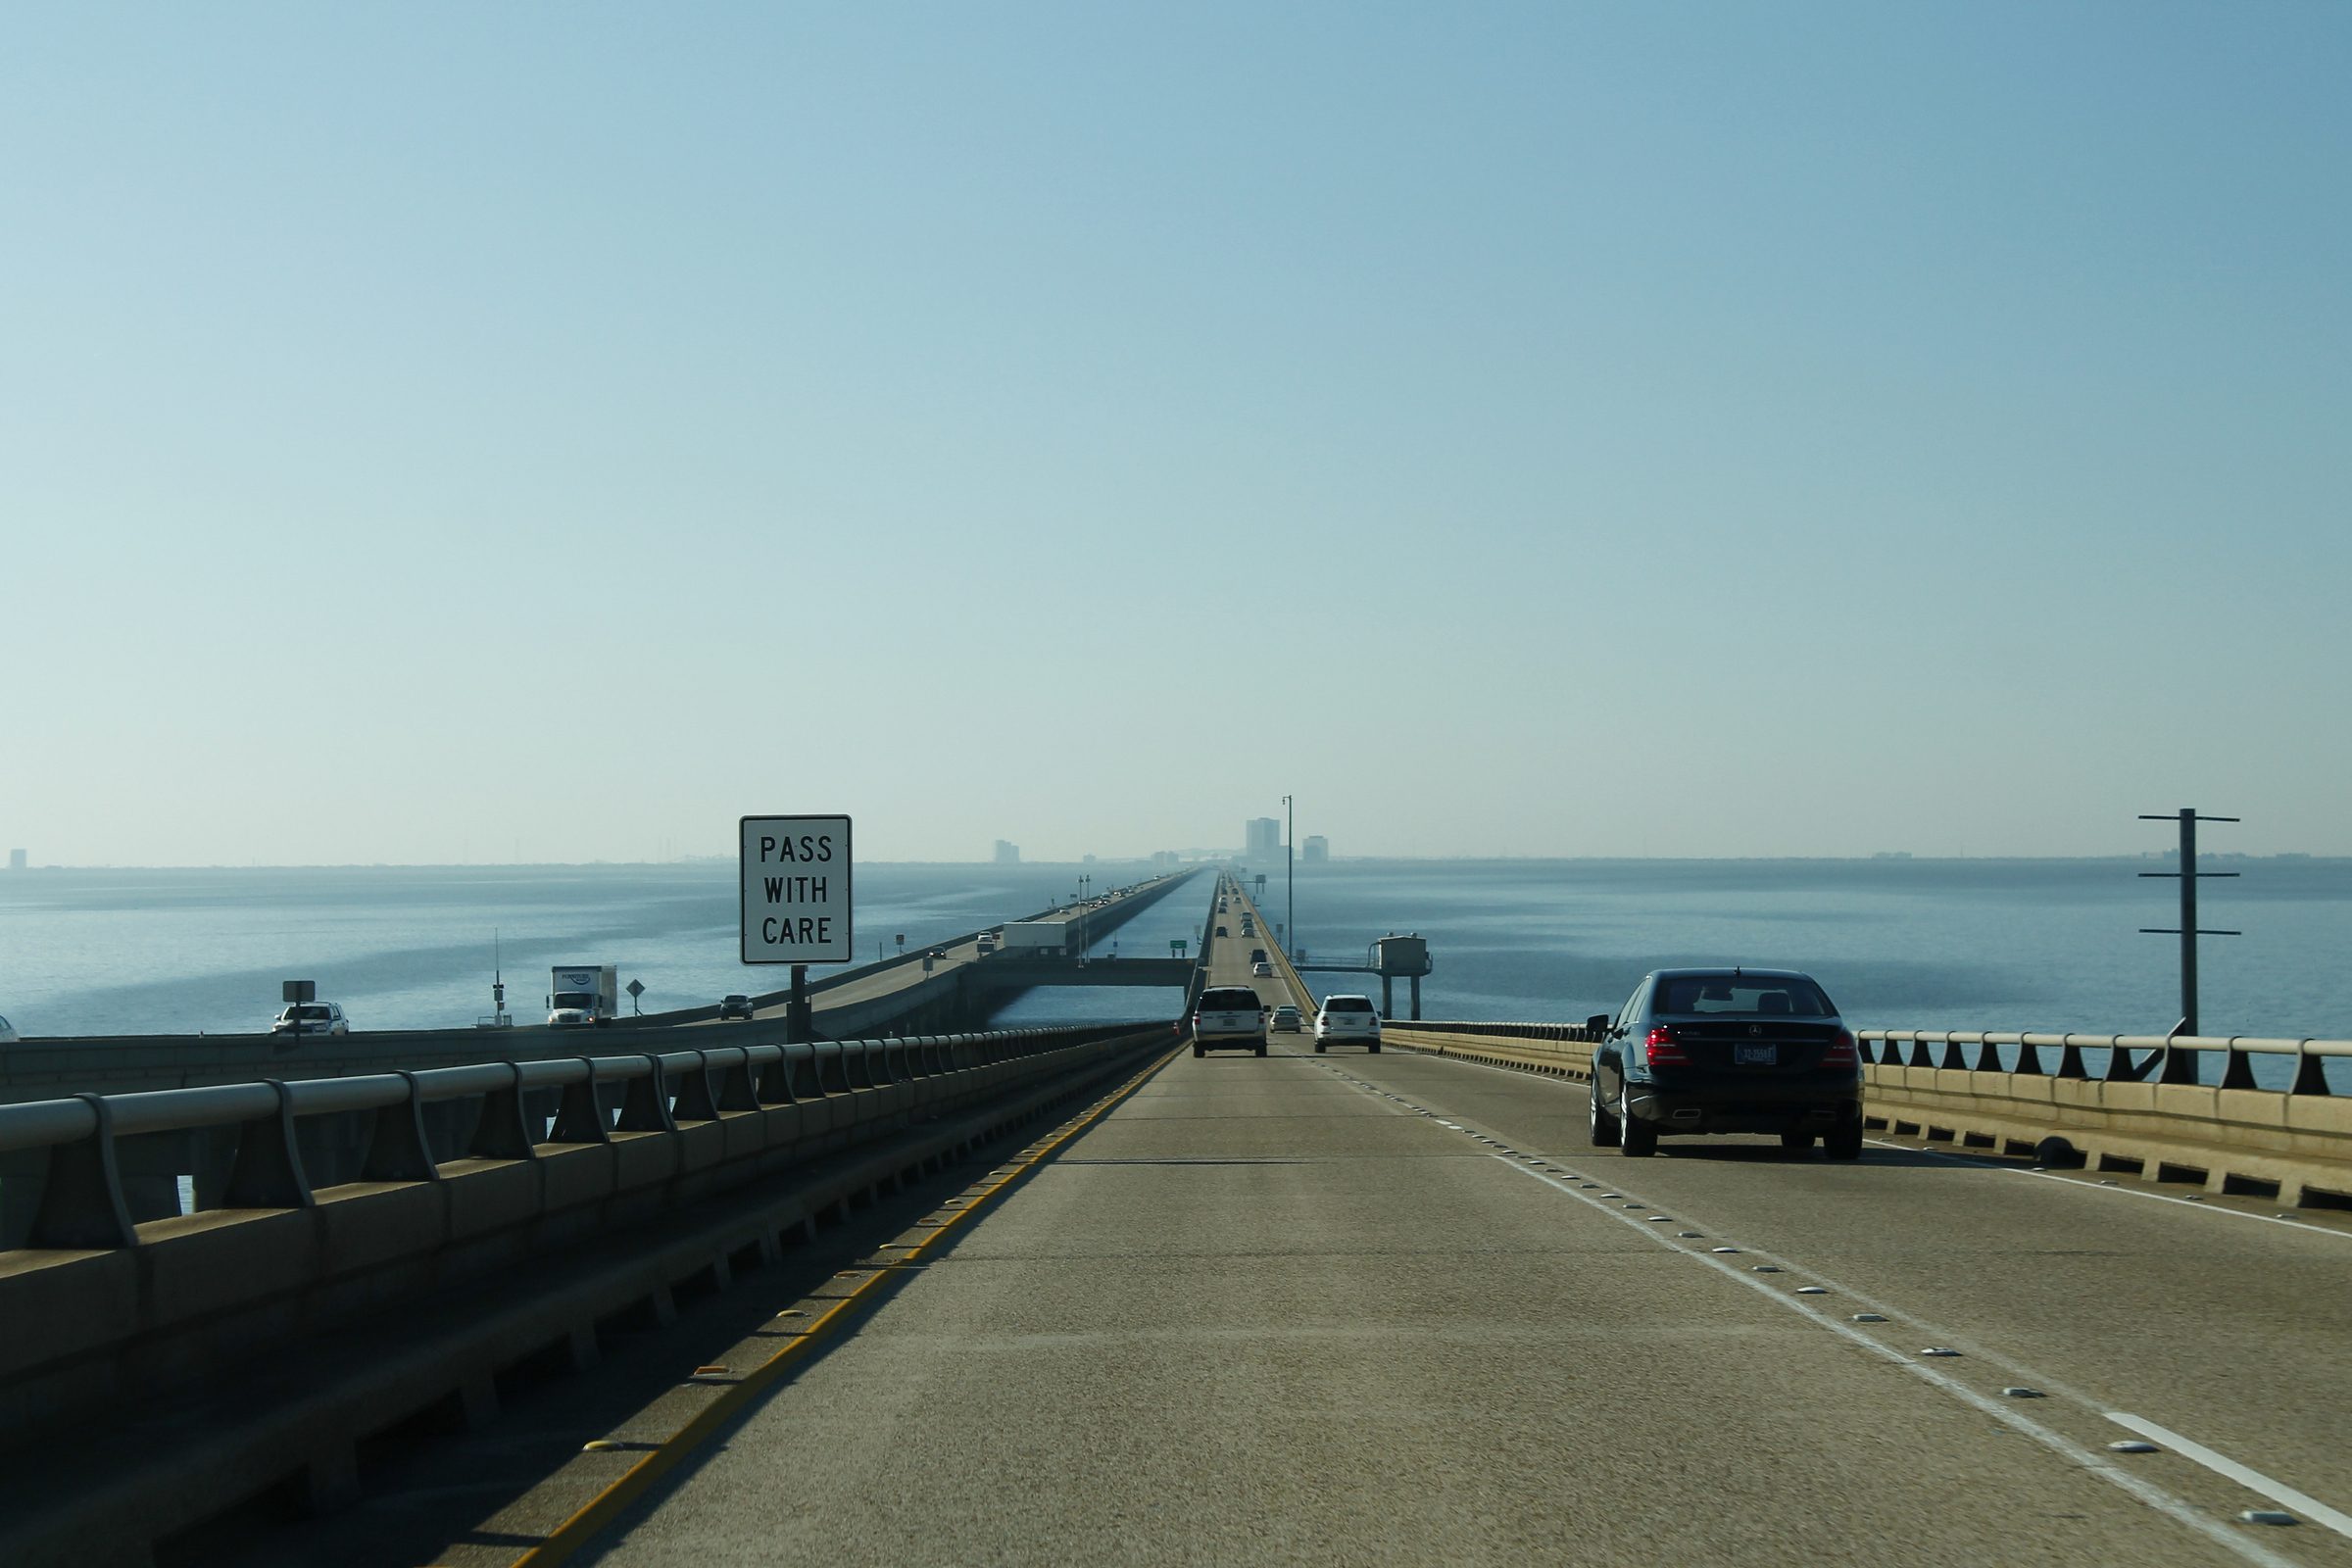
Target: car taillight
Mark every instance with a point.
(1662, 1049)
(1843, 1051)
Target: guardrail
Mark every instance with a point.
(82, 1203)
(2172, 1058)
(153, 1374)
(2148, 1111)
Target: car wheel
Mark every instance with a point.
(1321, 1048)
(1846, 1143)
(1261, 1047)
(1200, 1051)
(1798, 1142)
(1604, 1125)
(1638, 1140)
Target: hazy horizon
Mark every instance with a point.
(464, 436)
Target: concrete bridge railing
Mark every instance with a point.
(2148, 1113)
(545, 1154)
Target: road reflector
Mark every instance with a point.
(1941, 1350)
(1812, 1290)
(599, 1446)
(1766, 1268)
(712, 1371)
(1869, 1317)
(2021, 1393)
(2133, 1446)
(2267, 1516)
(1723, 1248)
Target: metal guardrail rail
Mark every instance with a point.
(82, 1203)
(2172, 1058)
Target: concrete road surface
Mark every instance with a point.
(1392, 1309)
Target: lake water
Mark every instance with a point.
(1900, 944)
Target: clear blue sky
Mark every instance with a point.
(453, 432)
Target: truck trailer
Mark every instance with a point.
(582, 995)
(1037, 938)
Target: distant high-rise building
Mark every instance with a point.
(1007, 854)
(1316, 850)
(1262, 837)
(16, 859)
(1164, 858)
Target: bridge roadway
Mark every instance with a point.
(1354, 1308)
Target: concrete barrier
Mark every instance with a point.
(103, 1306)
(2293, 1144)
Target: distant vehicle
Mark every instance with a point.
(1229, 1018)
(1261, 967)
(1221, 930)
(8, 1033)
(1347, 1021)
(1286, 1019)
(582, 995)
(1256, 955)
(1726, 1051)
(1045, 938)
(734, 1004)
(985, 946)
(311, 1019)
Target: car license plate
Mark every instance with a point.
(1755, 1055)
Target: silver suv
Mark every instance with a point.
(1229, 1018)
(1349, 1020)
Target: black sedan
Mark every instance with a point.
(1726, 1051)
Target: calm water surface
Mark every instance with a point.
(1900, 944)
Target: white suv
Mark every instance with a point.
(1349, 1020)
(1228, 1018)
(312, 1019)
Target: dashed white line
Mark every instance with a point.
(2310, 1507)
(2146, 1493)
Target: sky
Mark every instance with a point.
(445, 433)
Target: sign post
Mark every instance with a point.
(636, 989)
(795, 901)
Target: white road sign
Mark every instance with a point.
(796, 890)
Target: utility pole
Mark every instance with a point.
(2187, 929)
(1289, 875)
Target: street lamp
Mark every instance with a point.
(1290, 885)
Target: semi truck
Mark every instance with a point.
(582, 995)
(1035, 937)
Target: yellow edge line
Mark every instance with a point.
(582, 1527)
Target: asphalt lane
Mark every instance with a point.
(1366, 1310)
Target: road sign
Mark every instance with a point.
(298, 991)
(796, 889)
(1176, 947)
(636, 988)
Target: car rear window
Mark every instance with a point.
(1346, 1003)
(1787, 996)
(1228, 999)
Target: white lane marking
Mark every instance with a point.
(2126, 1192)
(2309, 1507)
(1963, 1160)
(2146, 1493)
(2253, 1480)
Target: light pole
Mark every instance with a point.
(1290, 882)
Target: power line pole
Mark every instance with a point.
(2187, 929)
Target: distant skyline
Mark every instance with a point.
(462, 435)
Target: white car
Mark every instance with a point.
(312, 1019)
(1229, 1018)
(1349, 1020)
(1261, 967)
(1287, 1019)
